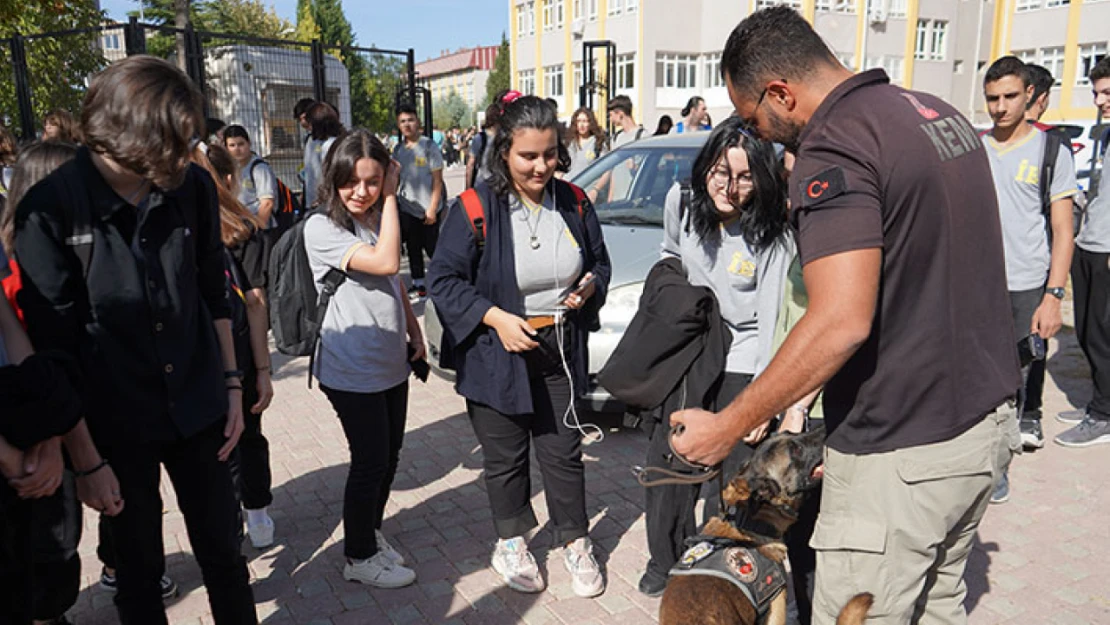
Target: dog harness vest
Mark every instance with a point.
(757, 576)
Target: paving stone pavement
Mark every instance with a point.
(1041, 558)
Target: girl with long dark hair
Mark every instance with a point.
(585, 140)
(732, 237)
(325, 128)
(365, 336)
(517, 294)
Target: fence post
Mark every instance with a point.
(412, 75)
(22, 88)
(134, 36)
(194, 62)
(319, 72)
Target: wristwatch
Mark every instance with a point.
(1057, 292)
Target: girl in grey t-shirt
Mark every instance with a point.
(362, 362)
(585, 140)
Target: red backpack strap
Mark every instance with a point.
(476, 215)
(579, 195)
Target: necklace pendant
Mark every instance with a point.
(535, 243)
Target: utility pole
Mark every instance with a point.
(180, 21)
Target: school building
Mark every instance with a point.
(670, 50)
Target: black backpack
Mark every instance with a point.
(287, 208)
(1054, 139)
(296, 312)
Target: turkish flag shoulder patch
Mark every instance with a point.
(824, 186)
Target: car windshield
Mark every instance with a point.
(628, 186)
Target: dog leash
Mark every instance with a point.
(701, 473)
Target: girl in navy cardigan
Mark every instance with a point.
(516, 303)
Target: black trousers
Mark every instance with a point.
(420, 239)
(250, 462)
(1090, 280)
(508, 439)
(1023, 305)
(55, 536)
(669, 509)
(207, 499)
(16, 556)
(374, 424)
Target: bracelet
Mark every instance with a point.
(265, 368)
(233, 373)
(103, 463)
(235, 388)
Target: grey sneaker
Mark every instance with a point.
(385, 547)
(1001, 492)
(585, 572)
(1088, 432)
(1072, 417)
(1032, 437)
(515, 564)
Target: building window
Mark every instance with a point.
(824, 6)
(630, 6)
(1053, 60)
(764, 4)
(576, 9)
(592, 6)
(548, 14)
(894, 66)
(1052, 4)
(932, 40)
(554, 83)
(1089, 56)
(898, 9)
(560, 13)
(521, 19)
(712, 66)
(847, 7)
(676, 71)
(110, 42)
(526, 81)
(615, 7)
(531, 18)
(1026, 56)
(626, 72)
(847, 60)
(1027, 5)
(577, 78)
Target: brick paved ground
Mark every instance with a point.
(1040, 558)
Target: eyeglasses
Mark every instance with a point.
(720, 177)
(748, 127)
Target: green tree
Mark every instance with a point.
(499, 77)
(451, 111)
(58, 67)
(251, 18)
(307, 29)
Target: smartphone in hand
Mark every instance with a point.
(420, 368)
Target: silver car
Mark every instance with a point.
(629, 185)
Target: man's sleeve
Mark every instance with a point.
(1064, 183)
(837, 200)
(53, 292)
(329, 244)
(265, 186)
(435, 157)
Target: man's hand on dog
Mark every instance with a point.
(700, 439)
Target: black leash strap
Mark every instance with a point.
(698, 473)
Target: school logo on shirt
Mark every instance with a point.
(591, 155)
(421, 161)
(741, 266)
(1028, 174)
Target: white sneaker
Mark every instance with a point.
(261, 531)
(378, 571)
(515, 564)
(585, 572)
(386, 548)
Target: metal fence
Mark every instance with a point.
(248, 81)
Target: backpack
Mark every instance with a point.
(237, 300)
(1054, 139)
(296, 312)
(476, 212)
(287, 208)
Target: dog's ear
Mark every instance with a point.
(737, 490)
(763, 489)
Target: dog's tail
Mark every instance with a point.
(855, 612)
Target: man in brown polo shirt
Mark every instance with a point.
(908, 327)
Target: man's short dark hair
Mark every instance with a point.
(553, 103)
(770, 44)
(407, 108)
(1042, 80)
(621, 103)
(1100, 70)
(1007, 66)
(302, 106)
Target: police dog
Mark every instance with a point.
(760, 503)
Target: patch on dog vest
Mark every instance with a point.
(757, 576)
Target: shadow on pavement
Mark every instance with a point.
(977, 574)
(1069, 370)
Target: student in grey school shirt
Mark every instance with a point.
(585, 140)
(257, 186)
(421, 194)
(326, 127)
(732, 238)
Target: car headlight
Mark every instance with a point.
(620, 306)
